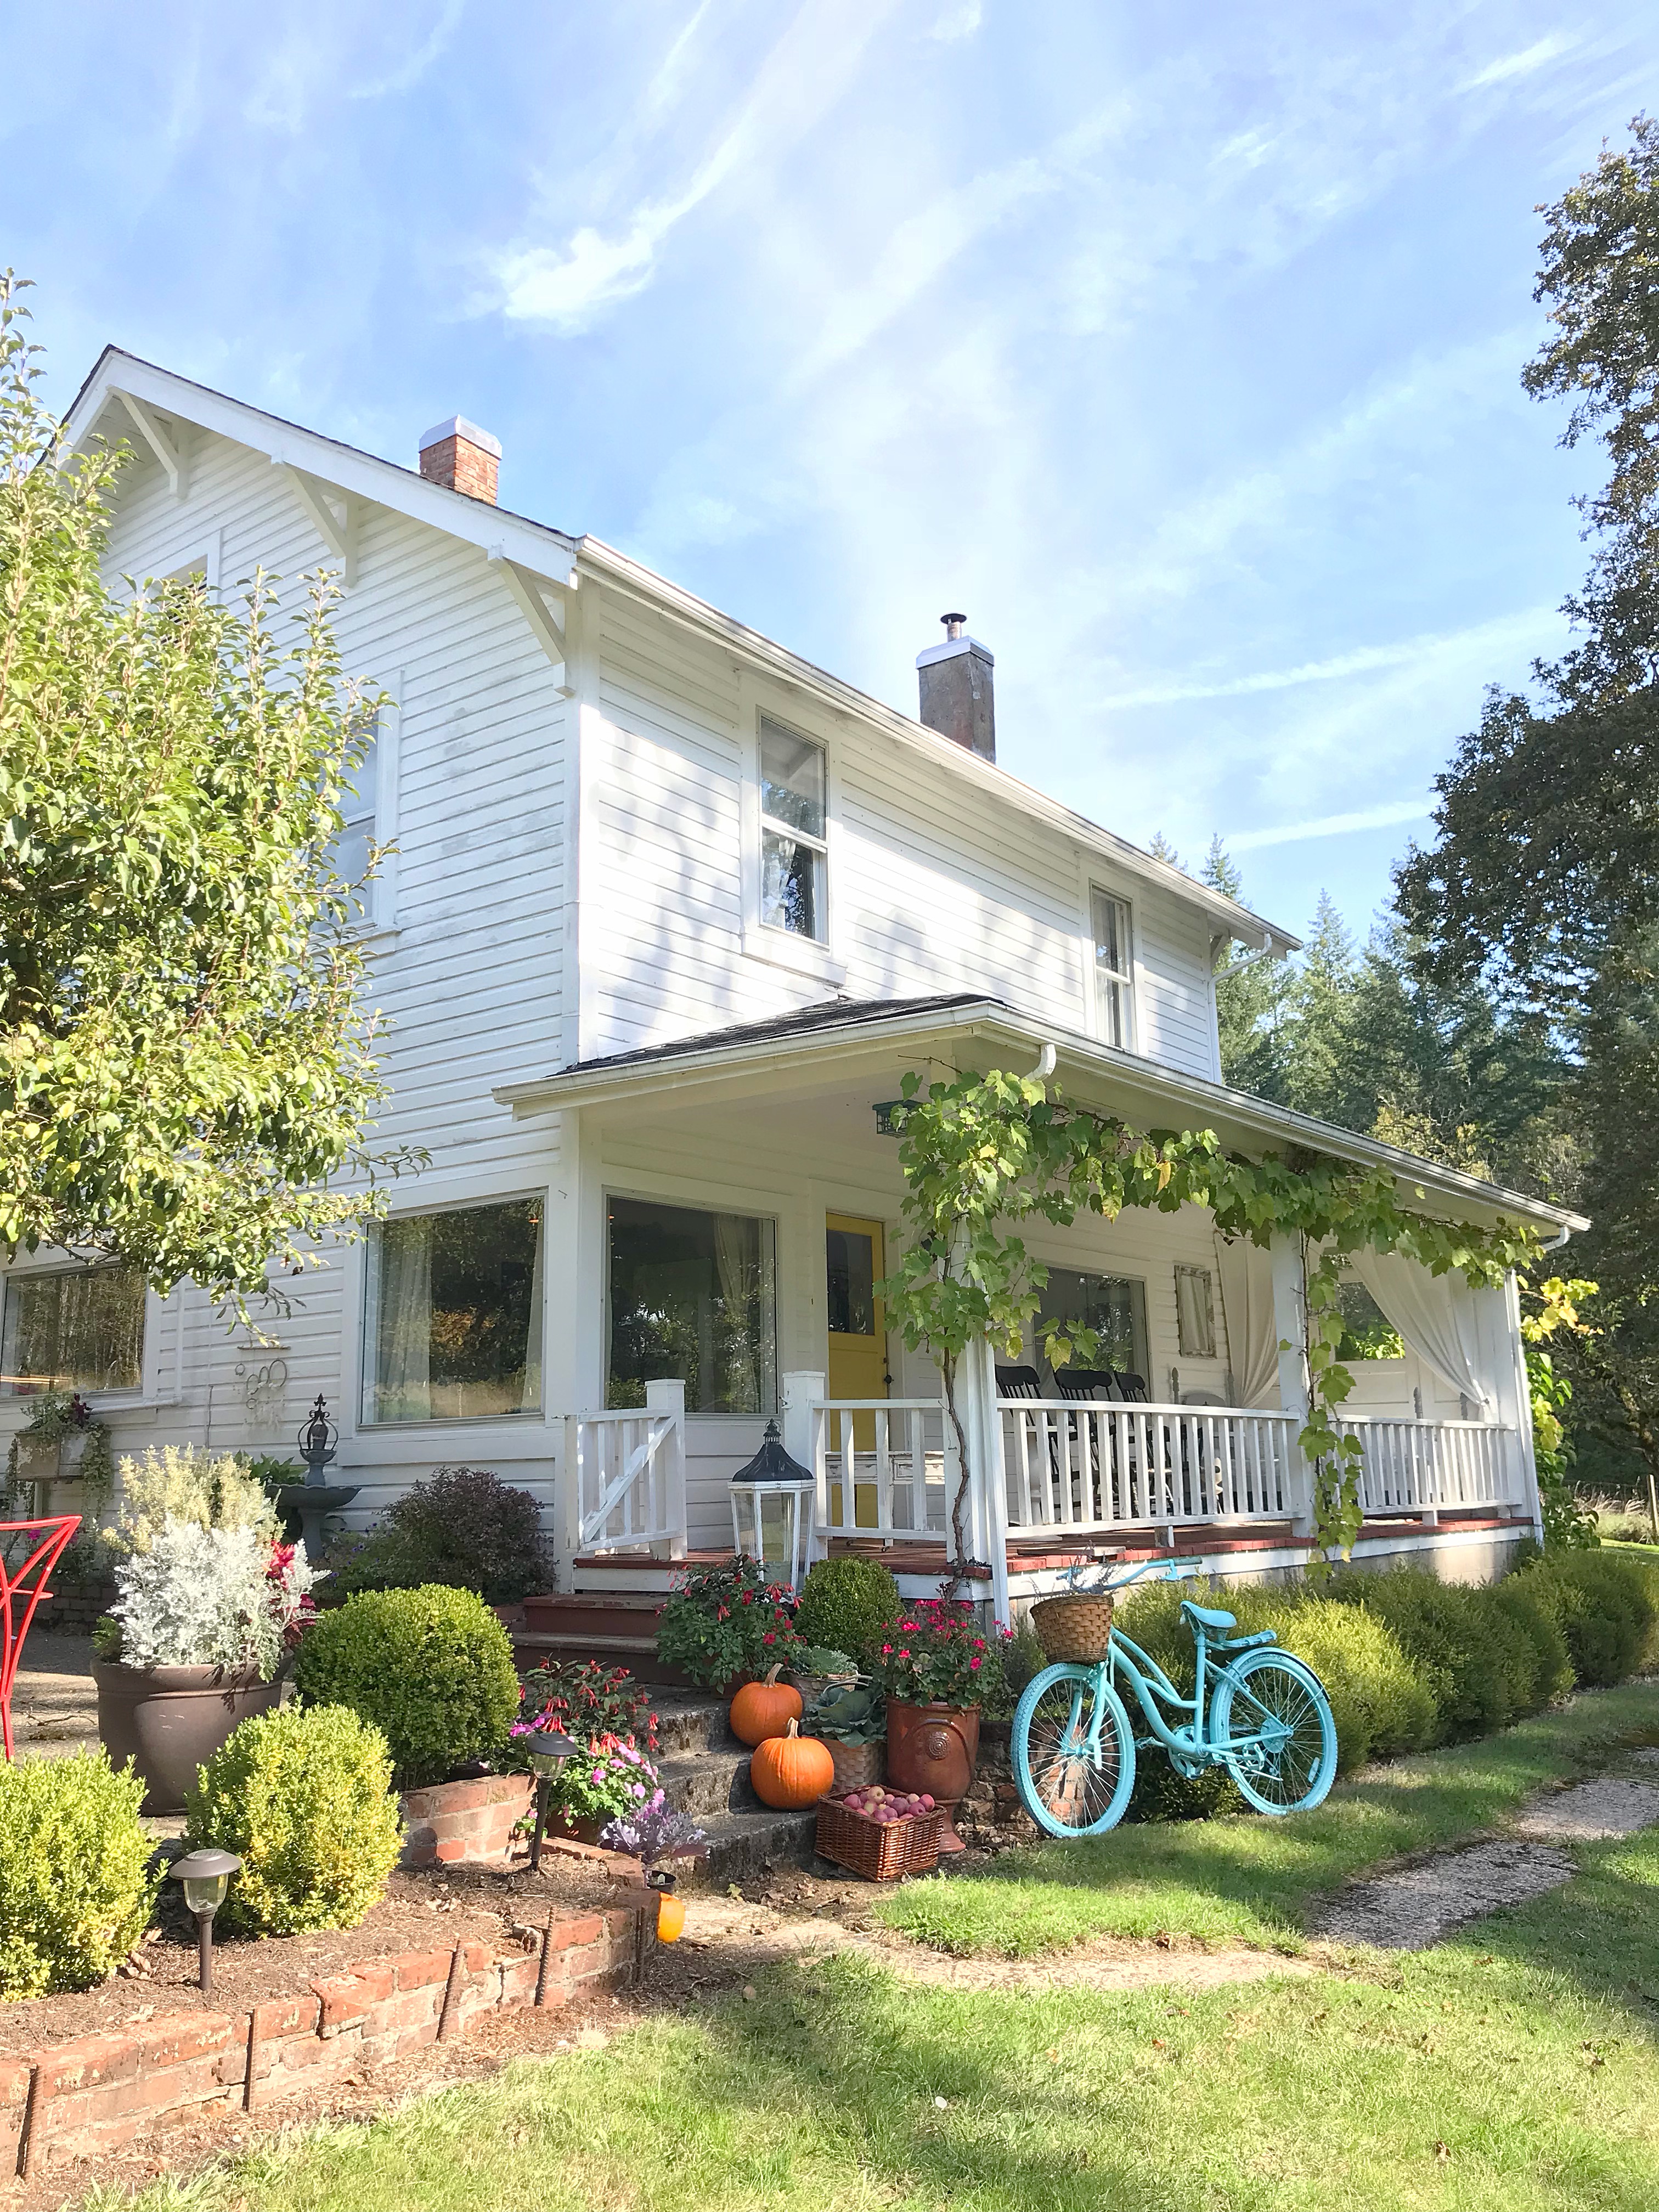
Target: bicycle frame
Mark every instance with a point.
(1127, 1663)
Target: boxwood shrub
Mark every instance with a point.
(844, 1604)
(74, 1892)
(432, 1668)
(1604, 1608)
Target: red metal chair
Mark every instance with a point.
(16, 1589)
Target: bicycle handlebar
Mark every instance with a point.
(1166, 1570)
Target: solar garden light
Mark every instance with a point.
(547, 1751)
(206, 1877)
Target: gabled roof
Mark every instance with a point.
(821, 1041)
(562, 559)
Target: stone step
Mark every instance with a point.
(742, 1845)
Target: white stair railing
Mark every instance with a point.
(625, 1477)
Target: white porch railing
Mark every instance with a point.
(1071, 1468)
(885, 1466)
(625, 1477)
(1422, 1467)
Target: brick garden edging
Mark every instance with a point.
(76, 2099)
(464, 1823)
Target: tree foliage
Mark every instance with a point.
(185, 1062)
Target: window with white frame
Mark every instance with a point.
(794, 874)
(453, 1314)
(359, 812)
(1114, 972)
(1194, 1312)
(692, 1294)
(73, 1328)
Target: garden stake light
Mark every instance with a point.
(206, 1877)
(547, 1751)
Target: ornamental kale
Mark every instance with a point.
(657, 1831)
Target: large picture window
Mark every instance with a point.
(453, 1326)
(692, 1295)
(75, 1328)
(1114, 1306)
(794, 813)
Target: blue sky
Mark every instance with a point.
(1180, 346)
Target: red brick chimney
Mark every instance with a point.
(461, 457)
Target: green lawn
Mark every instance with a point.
(1514, 2070)
(1249, 1880)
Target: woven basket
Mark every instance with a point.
(881, 1850)
(1073, 1628)
(856, 1765)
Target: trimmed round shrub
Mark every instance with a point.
(1552, 1669)
(844, 1605)
(1604, 1607)
(1469, 1651)
(75, 1893)
(303, 1797)
(432, 1668)
(465, 1527)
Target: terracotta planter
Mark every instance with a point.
(466, 1823)
(856, 1765)
(934, 1748)
(169, 1719)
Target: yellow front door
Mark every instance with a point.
(855, 1263)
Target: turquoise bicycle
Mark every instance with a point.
(1260, 1713)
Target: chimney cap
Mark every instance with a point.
(953, 624)
(459, 427)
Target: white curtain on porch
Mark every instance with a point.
(1434, 1314)
(1247, 1311)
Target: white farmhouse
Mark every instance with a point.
(669, 914)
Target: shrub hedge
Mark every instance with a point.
(303, 1797)
(432, 1668)
(76, 1891)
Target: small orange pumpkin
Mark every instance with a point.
(762, 1710)
(671, 1917)
(791, 1771)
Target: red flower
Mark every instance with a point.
(772, 1640)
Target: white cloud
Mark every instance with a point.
(1534, 57)
(408, 73)
(1331, 826)
(959, 21)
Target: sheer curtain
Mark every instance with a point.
(736, 1264)
(1435, 1315)
(531, 1397)
(403, 1335)
(1247, 1312)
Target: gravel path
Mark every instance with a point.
(1591, 1812)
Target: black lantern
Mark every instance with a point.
(547, 1751)
(206, 1877)
(772, 1501)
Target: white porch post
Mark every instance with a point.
(801, 1391)
(1285, 1254)
(668, 1397)
(987, 1496)
(1514, 1395)
(573, 1356)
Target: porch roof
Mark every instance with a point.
(836, 1040)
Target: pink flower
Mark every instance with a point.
(973, 1663)
(768, 1639)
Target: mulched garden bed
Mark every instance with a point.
(439, 1905)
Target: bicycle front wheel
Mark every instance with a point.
(1271, 1721)
(1074, 1778)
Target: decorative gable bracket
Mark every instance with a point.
(168, 447)
(547, 623)
(336, 529)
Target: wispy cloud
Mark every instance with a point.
(1537, 56)
(960, 21)
(408, 73)
(1331, 826)
(1364, 660)
(806, 72)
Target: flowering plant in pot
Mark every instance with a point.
(724, 1624)
(611, 1778)
(656, 1833)
(939, 1668)
(586, 1699)
(203, 1625)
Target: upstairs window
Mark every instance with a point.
(359, 811)
(794, 851)
(1114, 975)
(79, 1329)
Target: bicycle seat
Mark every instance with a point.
(1207, 1618)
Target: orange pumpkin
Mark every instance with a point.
(791, 1771)
(671, 1917)
(762, 1710)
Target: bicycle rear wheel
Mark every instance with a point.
(1068, 1784)
(1271, 1721)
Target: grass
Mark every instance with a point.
(1514, 2071)
(1244, 1879)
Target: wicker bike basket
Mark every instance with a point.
(1074, 1628)
(881, 1850)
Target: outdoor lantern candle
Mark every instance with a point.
(772, 1501)
(206, 1877)
(547, 1751)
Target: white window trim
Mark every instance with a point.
(1131, 976)
(815, 957)
(379, 925)
(354, 1368)
(148, 1390)
(746, 1208)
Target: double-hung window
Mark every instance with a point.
(359, 808)
(1114, 972)
(794, 888)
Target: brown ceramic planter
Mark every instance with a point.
(168, 1719)
(464, 1823)
(934, 1748)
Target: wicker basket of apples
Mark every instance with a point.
(880, 1833)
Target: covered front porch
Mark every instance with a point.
(745, 1168)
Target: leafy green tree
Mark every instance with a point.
(186, 1061)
